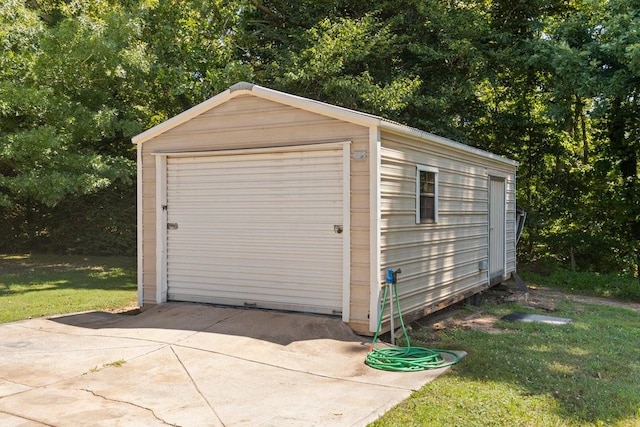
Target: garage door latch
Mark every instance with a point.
(337, 229)
(172, 226)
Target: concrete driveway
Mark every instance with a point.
(192, 365)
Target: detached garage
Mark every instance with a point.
(264, 199)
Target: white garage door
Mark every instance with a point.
(260, 230)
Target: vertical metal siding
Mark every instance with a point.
(257, 229)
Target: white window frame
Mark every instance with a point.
(423, 168)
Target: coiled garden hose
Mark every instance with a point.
(404, 359)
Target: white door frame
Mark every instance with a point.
(161, 210)
(503, 213)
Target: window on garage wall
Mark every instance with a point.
(426, 195)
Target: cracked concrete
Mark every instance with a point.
(127, 403)
(190, 364)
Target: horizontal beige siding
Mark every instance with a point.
(251, 122)
(440, 261)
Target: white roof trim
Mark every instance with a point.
(182, 117)
(313, 106)
(244, 88)
(340, 113)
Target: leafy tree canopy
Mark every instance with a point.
(551, 83)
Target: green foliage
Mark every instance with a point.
(44, 285)
(190, 46)
(623, 287)
(66, 115)
(552, 84)
(339, 53)
(101, 223)
(338, 64)
(592, 82)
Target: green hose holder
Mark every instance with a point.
(403, 359)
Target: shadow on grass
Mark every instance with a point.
(590, 368)
(23, 274)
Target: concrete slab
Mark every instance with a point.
(192, 364)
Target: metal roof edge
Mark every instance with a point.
(319, 107)
(407, 130)
(241, 88)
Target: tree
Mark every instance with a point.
(553, 84)
(334, 51)
(193, 51)
(68, 101)
(71, 96)
(593, 85)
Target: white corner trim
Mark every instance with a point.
(139, 221)
(161, 229)
(504, 227)
(375, 147)
(346, 227)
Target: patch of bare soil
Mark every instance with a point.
(544, 299)
(478, 321)
(555, 295)
(131, 310)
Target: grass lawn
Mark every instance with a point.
(618, 286)
(586, 373)
(44, 285)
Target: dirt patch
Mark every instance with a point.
(478, 321)
(455, 318)
(543, 299)
(546, 294)
(132, 310)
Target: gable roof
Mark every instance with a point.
(322, 108)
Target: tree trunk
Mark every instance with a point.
(583, 129)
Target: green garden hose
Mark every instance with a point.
(405, 359)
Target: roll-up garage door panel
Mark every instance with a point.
(257, 228)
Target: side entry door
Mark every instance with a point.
(497, 228)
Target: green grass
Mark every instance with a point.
(617, 286)
(44, 285)
(586, 373)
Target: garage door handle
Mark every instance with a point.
(337, 229)
(172, 226)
